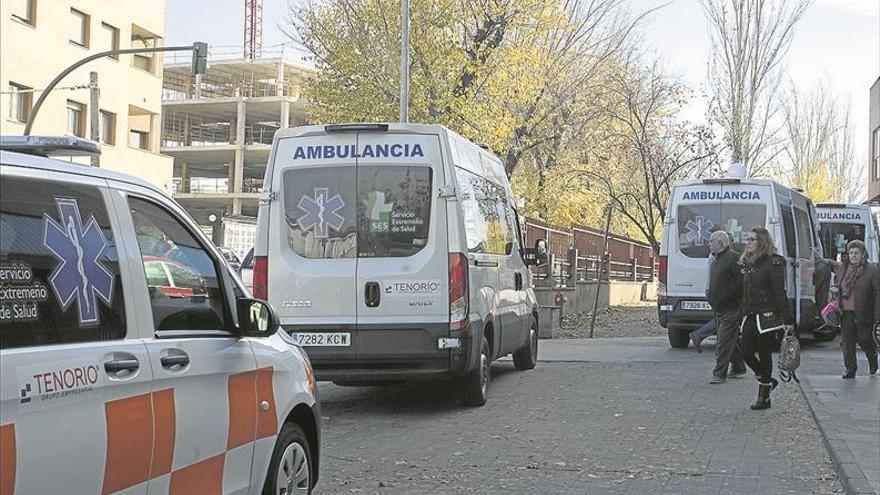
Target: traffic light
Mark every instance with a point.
(199, 58)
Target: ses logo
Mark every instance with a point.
(59, 383)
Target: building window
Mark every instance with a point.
(108, 127)
(20, 102)
(876, 157)
(111, 38)
(139, 139)
(141, 38)
(79, 28)
(76, 122)
(26, 11)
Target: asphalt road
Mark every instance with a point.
(603, 416)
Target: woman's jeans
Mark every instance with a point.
(760, 343)
(850, 333)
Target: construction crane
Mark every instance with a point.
(253, 29)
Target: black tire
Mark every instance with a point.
(475, 390)
(823, 335)
(678, 338)
(527, 357)
(291, 436)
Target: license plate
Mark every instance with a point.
(328, 339)
(696, 305)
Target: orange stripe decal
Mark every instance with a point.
(267, 421)
(7, 459)
(163, 440)
(202, 478)
(129, 442)
(242, 392)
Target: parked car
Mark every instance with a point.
(247, 270)
(393, 252)
(130, 358)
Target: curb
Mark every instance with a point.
(850, 475)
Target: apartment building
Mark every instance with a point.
(40, 38)
(219, 127)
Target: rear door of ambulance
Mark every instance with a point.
(401, 292)
(312, 242)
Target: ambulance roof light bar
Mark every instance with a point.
(48, 146)
(356, 128)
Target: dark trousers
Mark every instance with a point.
(727, 350)
(852, 332)
(758, 343)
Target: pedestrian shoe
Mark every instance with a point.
(873, 369)
(697, 341)
(763, 400)
(774, 383)
(737, 373)
(717, 379)
(849, 374)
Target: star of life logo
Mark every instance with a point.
(321, 213)
(80, 276)
(699, 229)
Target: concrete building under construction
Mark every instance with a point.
(218, 127)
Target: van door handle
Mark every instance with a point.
(518, 280)
(172, 361)
(372, 294)
(117, 366)
(485, 263)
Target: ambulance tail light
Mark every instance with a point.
(662, 273)
(458, 291)
(261, 277)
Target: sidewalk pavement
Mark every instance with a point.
(848, 415)
(847, 412)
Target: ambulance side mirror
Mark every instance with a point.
(256, 318)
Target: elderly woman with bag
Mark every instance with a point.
(765, 308)
(859, 301)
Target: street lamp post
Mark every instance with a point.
(404, 62)
(199, 49)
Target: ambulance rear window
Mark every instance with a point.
(835, 237)
(696, 222)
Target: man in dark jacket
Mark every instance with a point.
(725, 296)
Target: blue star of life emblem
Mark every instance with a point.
(321, 213)
(79, 275)
(699, 230)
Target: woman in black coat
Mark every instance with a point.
(765, 308)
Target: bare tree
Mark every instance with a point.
(653, 147)
(819, 150)
(749, 41)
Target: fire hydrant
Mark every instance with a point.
(560, 301)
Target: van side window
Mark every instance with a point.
(487, 222)
(185, 292)
(804, 233)
(59, 269)
(788, 228)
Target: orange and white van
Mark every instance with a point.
(131, 361)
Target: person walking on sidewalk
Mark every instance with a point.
(859, 293)
(725, 295)
(764, 308)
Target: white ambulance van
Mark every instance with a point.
(735, 205)
(393, 252)
(841, 223)
(130, 359)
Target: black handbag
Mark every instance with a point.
(769, 322)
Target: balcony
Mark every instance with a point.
(213, 185)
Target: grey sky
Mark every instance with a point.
(837, 41)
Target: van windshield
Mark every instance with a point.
(357, 212)
(835, 236)
(696, 222)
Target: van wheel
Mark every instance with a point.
(291, 468)
(476, 383)
(527, 357)
(678, 338)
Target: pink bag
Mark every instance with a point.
(831, 313)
